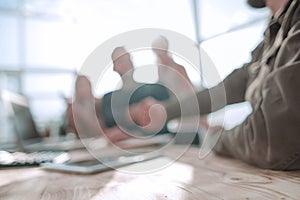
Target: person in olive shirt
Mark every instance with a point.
(270, 136)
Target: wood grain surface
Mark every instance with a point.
(187, 178)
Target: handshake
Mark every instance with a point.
(149, 114)
(148, 110)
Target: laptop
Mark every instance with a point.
(27, 136)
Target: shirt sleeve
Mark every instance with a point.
(269, 137)
(230, 90)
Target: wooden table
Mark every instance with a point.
(188, 178)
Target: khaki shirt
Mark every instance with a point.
(270, 136)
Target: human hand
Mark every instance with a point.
(160, 47)
(149, 114)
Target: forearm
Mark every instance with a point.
(86, 121)
(230, 91)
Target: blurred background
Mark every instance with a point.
(43, 44)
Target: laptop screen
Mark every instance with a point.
(19, 110)
(23, 122)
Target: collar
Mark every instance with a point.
(279, 15)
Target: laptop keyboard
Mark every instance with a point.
(16, 159)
